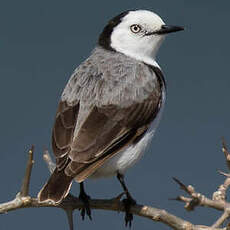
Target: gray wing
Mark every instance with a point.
(100, 114)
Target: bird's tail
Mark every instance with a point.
(57, 187)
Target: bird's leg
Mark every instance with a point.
(128, 202)
(85, 199)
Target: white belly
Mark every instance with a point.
(124, 159)
(128, 157)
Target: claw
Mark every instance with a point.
(128, 202)
(85, 199)
(86, 209)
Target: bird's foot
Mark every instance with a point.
(128, 202)
(86, 209)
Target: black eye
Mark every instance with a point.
(135, 28)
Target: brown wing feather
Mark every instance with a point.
(62, 134)
(104, 132)
(84, 138)
(110, 152)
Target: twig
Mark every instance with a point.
(198, 199)
(226, 153)
(195, 199)
(220, 194)
(26, 180)
(221, 220)
(204, 202)
(218, 200)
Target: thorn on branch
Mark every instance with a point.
(69, 213)
(181, 198)
(188, 189)
(190, 203)
(26, 180)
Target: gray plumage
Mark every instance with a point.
(117, 87)
(115, 79)
(109, 100)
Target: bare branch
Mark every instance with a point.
(195, 200)
(26, 180)
(220, 194)
(106, 204)
(221, 220)
(203, 201)
(71, 203)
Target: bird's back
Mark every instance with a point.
(108, 77)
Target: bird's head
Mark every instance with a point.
(137, 34)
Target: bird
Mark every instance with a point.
(110, 108)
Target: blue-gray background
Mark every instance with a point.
(41, 42)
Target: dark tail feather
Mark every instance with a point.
(57, 187)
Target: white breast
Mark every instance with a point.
(128, 157)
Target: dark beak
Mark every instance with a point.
(166, 30)
(169, 29)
